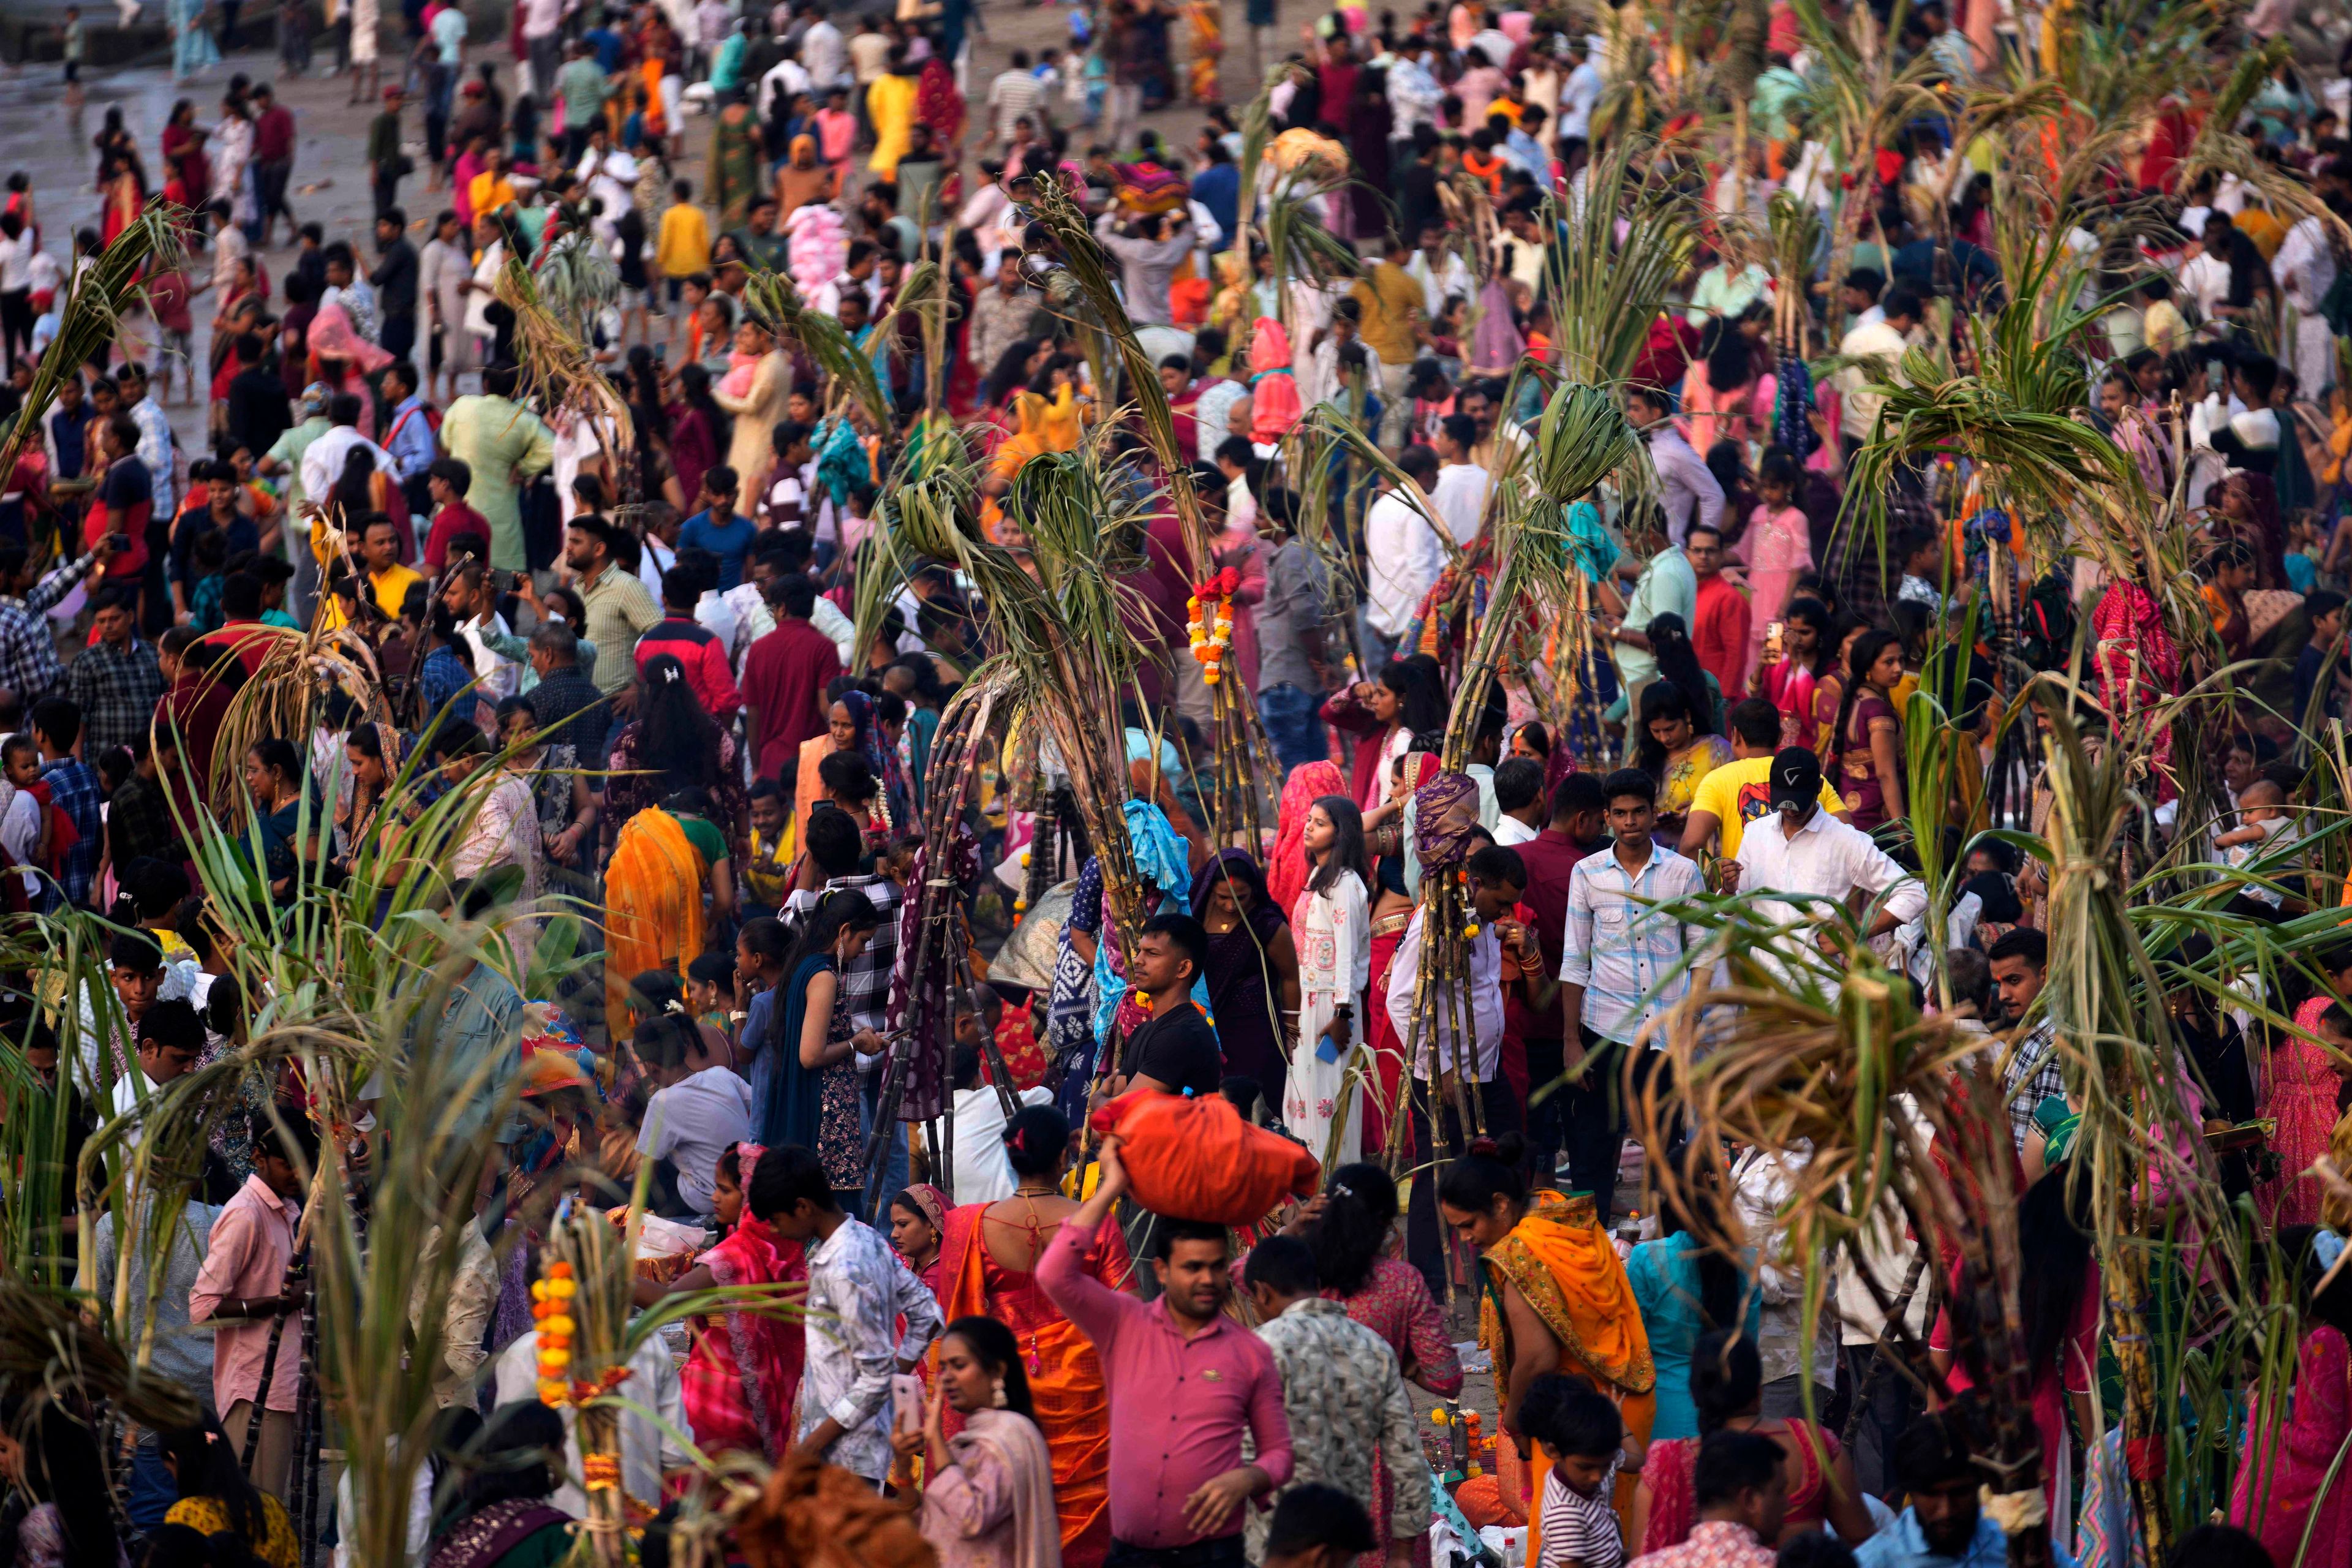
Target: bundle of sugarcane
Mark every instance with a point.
(1242, 756)
(932, 970)
(1606, 294)
(91, 318)
(1582, 440)
(555, 359)
(1796, 230)
(583, 1305)
(848, 373)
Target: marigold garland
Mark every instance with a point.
(1208, 622)
(551, 1307)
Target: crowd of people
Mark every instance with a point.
(632, 645)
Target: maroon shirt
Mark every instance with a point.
(1549, 856)
(273, 134)
(784, 677)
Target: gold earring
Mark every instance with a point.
(996, 1400)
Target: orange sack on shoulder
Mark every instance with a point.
(1197, 1160)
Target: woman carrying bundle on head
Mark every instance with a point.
(988, 1259)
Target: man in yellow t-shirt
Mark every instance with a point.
(1391, 299)
(1739, 792)
(387, 578)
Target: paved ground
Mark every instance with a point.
(53, 143)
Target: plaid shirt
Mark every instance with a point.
(138, 822)
(866, 981)
(73, 786)
(117, 690)
(28, 652)
(570, 701)
(2032, 1077)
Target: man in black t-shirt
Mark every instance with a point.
(1177, 1051)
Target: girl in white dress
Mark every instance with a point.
(1323, 1097)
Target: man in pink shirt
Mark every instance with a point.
(243, 1283)
(1185, 1381)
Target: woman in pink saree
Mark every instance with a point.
(744, 1371)
(2283, 1486)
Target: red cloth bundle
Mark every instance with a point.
(1197, 1160)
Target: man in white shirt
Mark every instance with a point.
(468, 594)
(1618, 957)
(1581, 93)
(170, 1037)
(323, 459)
(1883, 342)
(2305, 270)
(1799, 866)
(1497, 876)
(700, 1110)
(1402, 555)
(823, 53)
(1440, 272)
(1015, 91)
(983, 1170)
(1460, 493)
(652, 1420)
(1519, 804)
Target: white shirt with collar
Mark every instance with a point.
(1486, 1004)
(1795, 879)
(322, 464)
(656, 1412)
(1402, 556)
(1460, 499)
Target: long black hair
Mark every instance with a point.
(999, 1355)
(1347, 844)
(1678, 664)
(646, 406)
(2054, 1245)
(204, 1465)
(1727, 1376)
(1823, 621)
(1661, 700)
(1489, 1171)
(674, 732)
(61, 1460)
(1420, 693)
(1865, 652)
(836, 912)
(694, 391)
(1360, 1205)
(1006, 375)
(520, 1454)
(1722, 1286)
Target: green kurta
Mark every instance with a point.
(288, 451)
(503, 443)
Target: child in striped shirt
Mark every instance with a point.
(1581, 1434)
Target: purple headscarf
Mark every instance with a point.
(1445, 812)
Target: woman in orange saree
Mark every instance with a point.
(987, 1256)
(1553, 1297)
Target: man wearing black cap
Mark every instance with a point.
(1802, 862)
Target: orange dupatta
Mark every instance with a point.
(652, 903)
(1065, 1388)
(1562, 1262)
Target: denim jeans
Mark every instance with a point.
(151, 1490)
(1376, 649)
(1294, 722)
(1597, 1111)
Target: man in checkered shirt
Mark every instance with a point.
(2020, 963)
(29, 669)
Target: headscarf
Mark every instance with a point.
(1160, 858)
(1447, 811)
(333, 336)
(1497, 340)
(1265, 917)
(881, 759)
(932, 1202)
(1274, 390)
(937, 104)
(315, 398)
(920, 1001)
(841, 463)
(1287, 871)
(351, 813)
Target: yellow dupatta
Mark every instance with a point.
(652, 903)
(1562, 1263)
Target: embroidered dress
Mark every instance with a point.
(1333, 932)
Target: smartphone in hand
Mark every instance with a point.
(906, 1402)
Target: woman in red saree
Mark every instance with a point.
(743, 1374)
(1391, 912)
(987, 1262)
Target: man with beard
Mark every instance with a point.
(1944, 1526)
